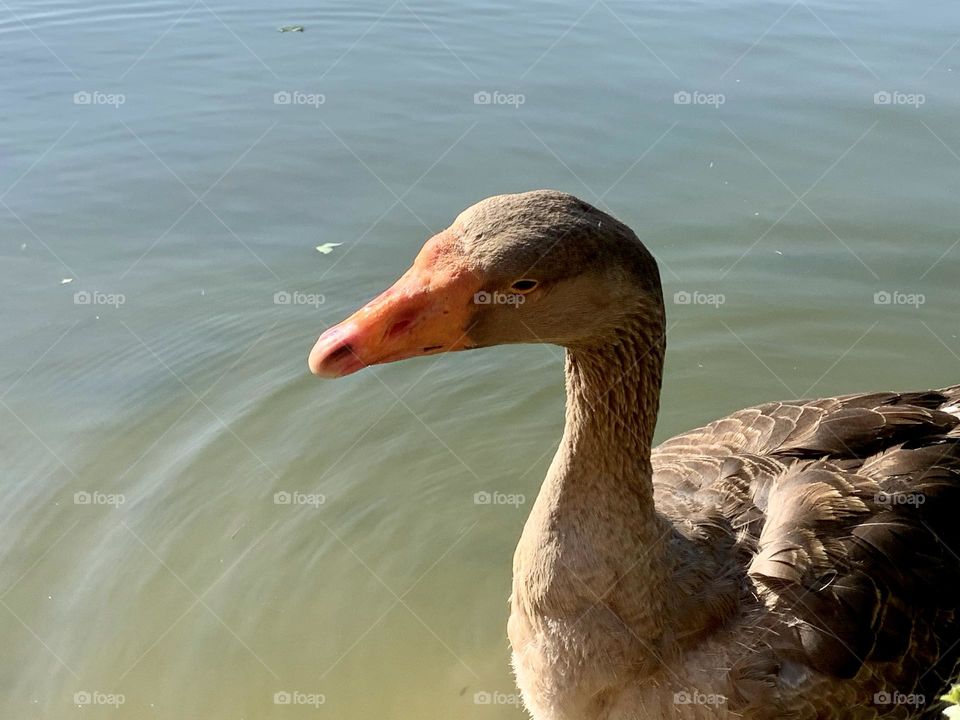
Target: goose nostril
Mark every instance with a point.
(335, 354)
(397, 328)
(340, 353)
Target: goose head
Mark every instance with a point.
(535, 267)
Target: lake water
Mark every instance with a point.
(190, 523)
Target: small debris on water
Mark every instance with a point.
(292, 28)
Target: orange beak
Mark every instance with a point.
(427, 311)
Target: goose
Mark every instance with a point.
(796, 559)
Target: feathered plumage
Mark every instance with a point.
(795, 560)
(844, 513)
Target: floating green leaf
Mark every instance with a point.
(952, 697)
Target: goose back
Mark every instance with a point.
(839, 516)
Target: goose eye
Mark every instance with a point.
(524, 286)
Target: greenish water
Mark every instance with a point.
(178, 185)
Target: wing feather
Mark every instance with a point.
(843, 512)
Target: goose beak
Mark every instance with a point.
(427, 311)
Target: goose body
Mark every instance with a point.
(792, 560)
(810, 575)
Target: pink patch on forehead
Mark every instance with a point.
(440, 250)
